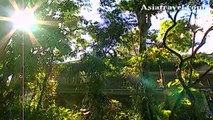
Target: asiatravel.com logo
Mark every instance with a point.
(179, 7)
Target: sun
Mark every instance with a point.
(23, 19)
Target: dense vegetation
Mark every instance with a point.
(121, 52)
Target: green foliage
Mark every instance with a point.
(53, 112)
(117, 111)
(179, 38)
(40, 83)
(128, 114)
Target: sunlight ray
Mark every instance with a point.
(37, 5)
(4, 41)
(49, 23)
(14, 4)
(2, 18)
(33, 39)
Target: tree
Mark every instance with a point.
(49, 47)
(141, 19)
(183, 62)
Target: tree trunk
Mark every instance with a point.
(44, 87)
(144, 24)
(42, 92)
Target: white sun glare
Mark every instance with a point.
(23, 19)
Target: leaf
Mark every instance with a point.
(169, 84)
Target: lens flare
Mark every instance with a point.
(23, 20)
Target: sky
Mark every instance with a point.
(204, 19)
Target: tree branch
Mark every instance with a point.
(166, 33)
(200, 45)
(203, 40)
(188, 92)
(202, 76)
(192, 45)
